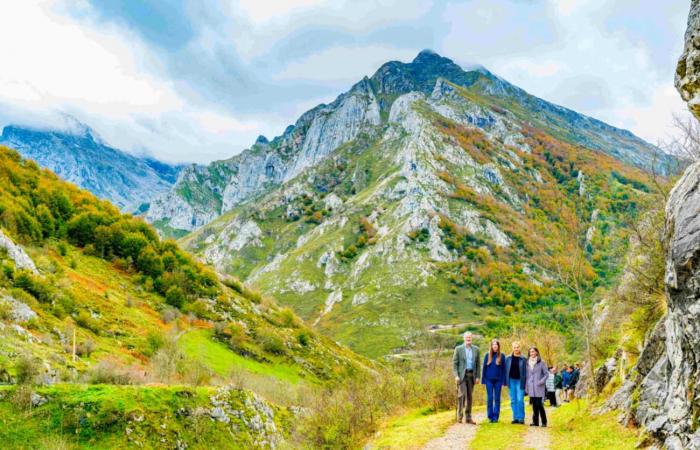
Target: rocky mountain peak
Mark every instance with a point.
(420, 74)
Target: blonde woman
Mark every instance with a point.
(515, 380)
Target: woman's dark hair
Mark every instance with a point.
(535, 349)
(498, 354)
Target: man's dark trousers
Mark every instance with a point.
(466, 389)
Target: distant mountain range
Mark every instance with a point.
(79, 156)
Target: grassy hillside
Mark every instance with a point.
(104, 302)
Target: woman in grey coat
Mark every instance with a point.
(535, 378)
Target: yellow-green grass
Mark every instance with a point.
(198, 344)
(499, 436)
(577, 427)
(413, 429)
(124, 417)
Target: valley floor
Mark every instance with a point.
(573, 425)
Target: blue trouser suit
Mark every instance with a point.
(493, 398)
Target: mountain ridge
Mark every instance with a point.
(80, 156)
(206, 192)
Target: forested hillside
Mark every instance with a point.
(89, 296)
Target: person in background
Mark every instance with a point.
(465, 367)
(535, 378)
(558, 387)
(493, 376)
(565, 379)
(573, 380)
(549, 386)
(515, 380)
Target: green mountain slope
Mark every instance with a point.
(91, 296)
(459, 208)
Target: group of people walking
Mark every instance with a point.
(521, 374)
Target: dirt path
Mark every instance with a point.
(457, 436)
(537, 438)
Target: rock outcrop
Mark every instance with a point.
(668, 394)
(203, 193)
(17, 254)
(688, 68)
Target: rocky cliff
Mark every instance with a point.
(79, 156)
(204, 193)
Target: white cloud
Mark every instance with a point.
(53, 61)
(530, 68)
(263, 10)
(343, 64)
(104, 77)
(652, 121)
(264, 53)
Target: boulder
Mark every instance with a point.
(17, 254)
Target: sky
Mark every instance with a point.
(199, 81)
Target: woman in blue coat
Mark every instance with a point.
(493, 376)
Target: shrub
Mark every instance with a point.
(27, 369)
(85, 320)
(5, 310)
(270, 342)
(239, 337)
(304, 337)
(164, 364)
(168, 314)
(234, 283)
(174, 296)
(85, 348)
(112, 372)
(154, 341)
(287, 318)
(195, 373)
(35, 286)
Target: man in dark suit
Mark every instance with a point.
(466, 367)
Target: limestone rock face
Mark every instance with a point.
(669, 366)
(688, 68)
(202, 193)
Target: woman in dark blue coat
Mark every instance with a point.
(493, 376)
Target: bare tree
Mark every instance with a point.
(686, 144)
(574, 272)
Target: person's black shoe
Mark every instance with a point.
(513, 422)
(544, 425)
(534, 424)
(521, 422)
